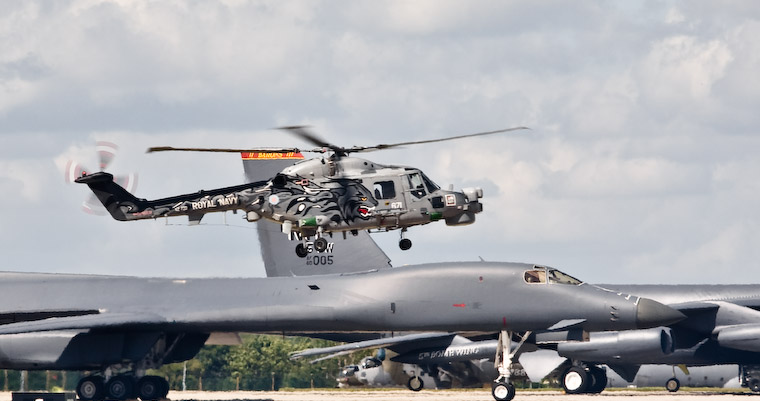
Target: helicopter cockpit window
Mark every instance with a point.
(535, 276)
(371, 363)
(384, 190)
(557, 277)
(416, 185)
(431, 186)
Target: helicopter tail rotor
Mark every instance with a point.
(106, 152)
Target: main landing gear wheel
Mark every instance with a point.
(301, 251)
(415, 383)
(120, 388)
(90, 388)
(673, 385)
(151, 388)
(320, 244)
(575, 380)
(405, 244)
(598, 380)
(502, 391)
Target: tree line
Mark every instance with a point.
(261, 362)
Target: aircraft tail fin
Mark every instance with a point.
(111, 194)
(350, 255)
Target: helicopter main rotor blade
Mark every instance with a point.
(304, 133)
(394, 145)
(225, 150)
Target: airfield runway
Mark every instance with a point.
(445, 395)
(450, 395)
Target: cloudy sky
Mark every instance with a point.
(641, 166)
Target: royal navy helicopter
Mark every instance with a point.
(315, 197)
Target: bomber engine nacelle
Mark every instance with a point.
(744, 337)
(620, 346)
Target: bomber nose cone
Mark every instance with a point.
(651, 313)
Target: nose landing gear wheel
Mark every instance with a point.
(320, 244)
(301, 251)
(405, 244)
(415, 383)
(502, 391)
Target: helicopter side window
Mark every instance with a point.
(384, 190)
(535, 276)
(557, 277)
(371, 363)
(416, 185)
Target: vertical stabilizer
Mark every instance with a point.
(353, 254)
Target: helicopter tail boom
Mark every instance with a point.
(124, 206)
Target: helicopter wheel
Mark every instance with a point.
(405, 244)
(301, 251)
(320, 244)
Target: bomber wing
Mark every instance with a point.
(91, 321)
(409, 340)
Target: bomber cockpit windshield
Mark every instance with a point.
(556, 276)
(539, 276)
(535, 276)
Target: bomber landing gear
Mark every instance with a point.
(122, 387)
(581, 379)
(152, 388)
(672, 385)
(90, 388)
(415, 383)
(501, 388)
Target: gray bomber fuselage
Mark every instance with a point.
(451, 296)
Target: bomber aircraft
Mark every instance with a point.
(122, 326)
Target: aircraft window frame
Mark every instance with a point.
(535, 276)
(558, 277)
(416, 184)
(384, 190)
(431, 186)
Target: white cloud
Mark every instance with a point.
(641, 155)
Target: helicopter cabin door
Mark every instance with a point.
(389, 193)
(416, 197)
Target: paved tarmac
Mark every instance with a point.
(444, 395)
(452, 395)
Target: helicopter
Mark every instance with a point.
(334, 193)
